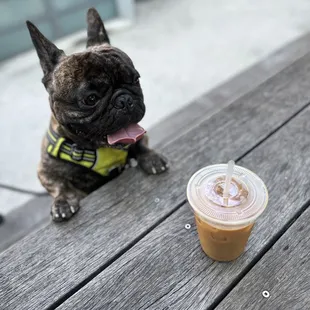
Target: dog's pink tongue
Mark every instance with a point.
(128, 135)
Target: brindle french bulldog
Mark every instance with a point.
(96, 102)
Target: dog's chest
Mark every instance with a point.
(108, 163)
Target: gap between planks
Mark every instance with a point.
(141, 236)
(259, 256)
(112, 260)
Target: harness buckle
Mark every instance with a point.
(76, 153)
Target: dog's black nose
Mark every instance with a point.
(123, 102)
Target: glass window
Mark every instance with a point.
(62, 5)
(75, 21)
(19, 41)
(55, 18)
(14, 12)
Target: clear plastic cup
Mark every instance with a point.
(224, 225)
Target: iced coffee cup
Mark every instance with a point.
(226, 200)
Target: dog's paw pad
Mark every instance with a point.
(153, 163)
(62, 210)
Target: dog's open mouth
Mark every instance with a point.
(128, 135)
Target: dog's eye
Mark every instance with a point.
(91, 99)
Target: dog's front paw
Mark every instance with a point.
(152, 163)
(62, 210)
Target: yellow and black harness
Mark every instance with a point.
(103, 160)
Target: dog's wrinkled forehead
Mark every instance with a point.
(109, 64)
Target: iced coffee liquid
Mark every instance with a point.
(222, 244)
(224, 222)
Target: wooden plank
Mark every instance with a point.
(48, 266)
(180, 122)
(283, 273)
(250, 78)
(168, 270)
(227, 92)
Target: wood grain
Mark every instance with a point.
(48, 266)
(168, 270)
(283, 272)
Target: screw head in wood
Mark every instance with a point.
(266, 294)
(133, 163)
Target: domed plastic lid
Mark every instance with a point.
(247, 196)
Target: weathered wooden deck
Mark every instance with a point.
(128, 247)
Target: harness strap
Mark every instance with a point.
(103, 160)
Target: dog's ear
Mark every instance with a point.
(96, 33)
(48, 53)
